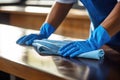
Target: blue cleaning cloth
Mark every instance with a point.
(51, 47)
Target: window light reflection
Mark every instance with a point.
(8, 37)
(37, 9)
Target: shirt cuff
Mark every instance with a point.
(118, 0)
(66, 1)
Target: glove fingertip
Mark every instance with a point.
(72, 55)
(35, 41)
(60, 52)
(28, 43)
(34, 44)
(17, 42)
(64, 55)
(20, 41)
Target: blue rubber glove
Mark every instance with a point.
(98, 38)
(45, 31)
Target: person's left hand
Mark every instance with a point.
(45, 31)
(75, 48)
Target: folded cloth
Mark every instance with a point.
(51, 47)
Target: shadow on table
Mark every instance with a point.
(88, 69)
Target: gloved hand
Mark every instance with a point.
(45, 31)
(98, 38)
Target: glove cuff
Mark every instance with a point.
(46, 30)
(99, 37)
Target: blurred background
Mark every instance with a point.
(45, 3)
(32, 13)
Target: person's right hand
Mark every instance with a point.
(98, 38)
(45, 31)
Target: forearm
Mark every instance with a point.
(58, 13)
(112, 22)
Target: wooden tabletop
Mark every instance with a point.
(26, 63)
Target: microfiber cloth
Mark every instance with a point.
(51, 47)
